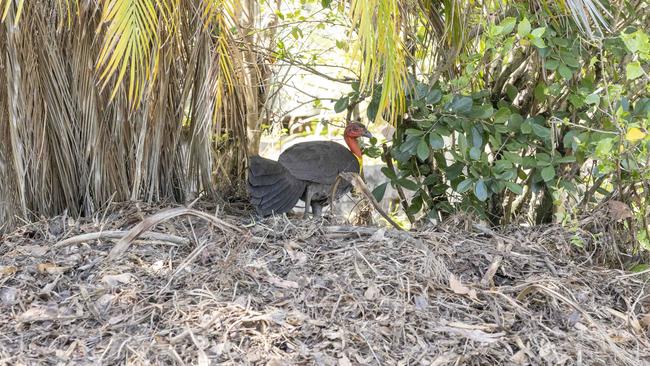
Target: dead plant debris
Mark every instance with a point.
(279, 292)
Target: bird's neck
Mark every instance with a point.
(353, 145)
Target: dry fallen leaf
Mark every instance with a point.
(519, 358)
(459, 288)
(276, 362)
(8, 295)
(296, 256)
(202, 358)
(220, 348)
(7, 270)
(333, 334)
(104, 302)
(371, 292)
(618, 210)
(40, 313)
(278, 282)
(379, 235)
(475, 335)
(33, 250)
(50, 268)
(619, 336)
(344, 361)
(116, 280)
(117, 319)
(645, 320)
(421, 302)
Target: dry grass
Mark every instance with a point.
(301, 292)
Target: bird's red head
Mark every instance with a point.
(353, 131)
(356, 130)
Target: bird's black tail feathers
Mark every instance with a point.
(272, 188)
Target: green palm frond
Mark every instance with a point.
(6, 4)
(220, 12)
(380, 51)
(128, 44)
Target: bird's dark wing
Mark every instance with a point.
(318, 161)
(272, 188)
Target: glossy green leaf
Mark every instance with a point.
(415, 206)
(592, 99)
(481, 112)
(465, 185)
(541, 131)
(433, 96)
(477, 137)
(548, 173)
(513, 157)
(515, 121)
(540, 92)
(538, 32)
(507, 25)
(389, 173)
(633, 70)
(604, 147)
(475, 153)
(408, 184)
(435, 141)
(508, 175)
(515, 188)
(502, 115)
(461, 105)
(502, 164)
(414, 132)
(512, 91)
(566, 159)
(341, 104)
(565, 72)
(523, 29)
(480, 190)
(551, 64)
(410, 145)
(380, 191)
(373, 106)
(423, 150)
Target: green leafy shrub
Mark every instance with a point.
(535, 122)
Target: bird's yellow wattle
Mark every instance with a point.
(360, 160)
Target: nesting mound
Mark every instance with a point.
(303, 292)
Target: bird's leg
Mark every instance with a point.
(317, 209)
(308, 194)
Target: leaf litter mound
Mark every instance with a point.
(229, 290)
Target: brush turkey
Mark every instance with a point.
(306, 171)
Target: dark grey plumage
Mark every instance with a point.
(307, 171)
(272, 187)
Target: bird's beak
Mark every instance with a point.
(367, 134)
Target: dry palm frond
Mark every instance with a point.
(586, 13)
(67, 145)
(63, 7)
